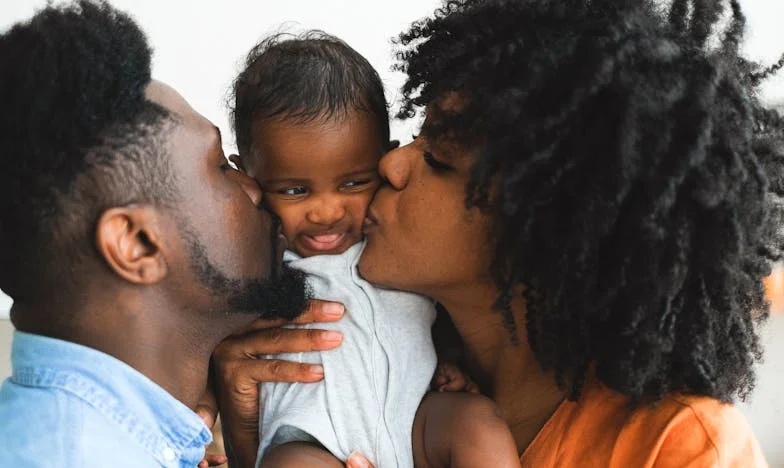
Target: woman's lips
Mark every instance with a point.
(324, 242)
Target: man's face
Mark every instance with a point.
(231, 247)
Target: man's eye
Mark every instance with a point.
(435, 163)
(292, 191)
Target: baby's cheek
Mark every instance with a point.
(361, 205)
(291, 216)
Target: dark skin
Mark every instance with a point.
(403, 229)
(240, 368)
(143, 304)
(143, 312)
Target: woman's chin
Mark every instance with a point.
(376, 266)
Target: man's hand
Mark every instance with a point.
(206, 408)
(239, 368)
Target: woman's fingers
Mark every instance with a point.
(355, 460)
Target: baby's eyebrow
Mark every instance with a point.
(285, 181)
(361, 171)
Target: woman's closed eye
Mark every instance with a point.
(435, 163)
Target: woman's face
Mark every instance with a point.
(420, 235)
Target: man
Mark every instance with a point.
(129, 245)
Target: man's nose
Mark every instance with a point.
(250, 187)
(326, 210)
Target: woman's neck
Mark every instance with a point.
(505, 368)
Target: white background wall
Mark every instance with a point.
(199, 45)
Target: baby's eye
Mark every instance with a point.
(356, 183)
(292, 191)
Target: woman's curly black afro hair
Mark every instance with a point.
(632, 173)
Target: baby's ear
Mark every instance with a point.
(237, 161)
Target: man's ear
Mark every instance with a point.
(130, 241)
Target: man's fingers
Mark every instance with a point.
(216, 460)
(316, 311)
(321, 311)
(276, 370)
(213, 460)
(207, 408)
(278, 340)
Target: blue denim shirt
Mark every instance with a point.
(72, 406)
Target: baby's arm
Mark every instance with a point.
(462, 430)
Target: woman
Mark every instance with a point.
(594, 200)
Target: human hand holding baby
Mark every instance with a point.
(450, 378)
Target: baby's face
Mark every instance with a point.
(319, 178)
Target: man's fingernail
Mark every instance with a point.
(317, 370)
(333, 309)
(331, 336)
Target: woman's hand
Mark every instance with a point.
(450, 378)
(355, 460)
(239, 368)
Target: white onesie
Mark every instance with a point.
(373, 382)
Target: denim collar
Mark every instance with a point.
(167, 429)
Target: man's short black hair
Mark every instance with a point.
(633, 176)
(77, 136)
(301, 78)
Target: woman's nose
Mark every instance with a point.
(395, 166)
(326, 210)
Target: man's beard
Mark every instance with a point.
(283, 296)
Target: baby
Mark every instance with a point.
(311, 122)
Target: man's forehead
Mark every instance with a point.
(168, 98)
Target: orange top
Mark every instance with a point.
(679, 431)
